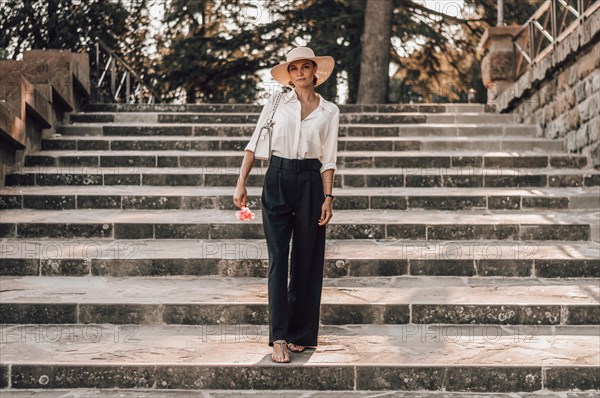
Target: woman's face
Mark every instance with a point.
(302, 72)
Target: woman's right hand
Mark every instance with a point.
(240, 195)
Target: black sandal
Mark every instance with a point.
(281, 343)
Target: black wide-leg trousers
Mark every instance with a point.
(292, 198)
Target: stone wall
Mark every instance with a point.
(560, 93)
(36, 94)
(567, 105)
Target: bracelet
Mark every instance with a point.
(329, 195)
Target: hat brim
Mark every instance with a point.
(325, 65)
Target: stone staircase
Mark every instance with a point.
(463, 256)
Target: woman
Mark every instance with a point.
(296, 198)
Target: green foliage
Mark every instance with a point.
(445, 65)
(75, 26)
(212, 50)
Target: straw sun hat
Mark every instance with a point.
(325, 65)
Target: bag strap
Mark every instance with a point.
(276, 103)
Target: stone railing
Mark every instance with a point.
(36, 94)
(548, 73)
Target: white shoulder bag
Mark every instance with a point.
(262, 149)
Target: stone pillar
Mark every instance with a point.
(498, 64)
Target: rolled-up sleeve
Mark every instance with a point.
(261, 122)
(330, 144)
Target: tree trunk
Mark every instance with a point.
(375, 56)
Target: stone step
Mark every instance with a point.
(156, 197)
(211, 143)
(246, 130)
(343, 258)
(422, 108)
(344, 178)
(345, 118)
(270, 393)
(194, 300)
(138, 360)
(574, 225)
(201, 118)
(345, 159)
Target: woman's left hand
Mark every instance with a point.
(326, 212)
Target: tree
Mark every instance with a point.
(375, 56)
(75, 26)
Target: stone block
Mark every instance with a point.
(504, 202)
(581, 138)
(572, 378)
(214, 314)
(49, 202)
(594, 130)
(34, 313)
(63, 230)
(134, 231)
(4, 379)
(137, 314)
(589, 108)
(572, 268)
(374, 267)
(580, 91)
(488, 379)
(586, 64)
(400, 378)
(19, 266)
(352, 314)
(564, 181)
(65, 267)
(520, 268)
(534, 202)
(555, 232)
(595, 82)
(255, 377)
(11, 202)
(468, 232)
(442, 267)
(486, 314)
(583, 315)
(98, 202)
(446, 202)
(12, 128)
(78, 376)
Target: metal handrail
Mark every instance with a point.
(142, 93)
(548, 27)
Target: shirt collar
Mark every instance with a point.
(323, 103)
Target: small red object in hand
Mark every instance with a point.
(245, 214)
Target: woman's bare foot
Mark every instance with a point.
(280, 352)
(296, 348)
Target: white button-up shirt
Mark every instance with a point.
(315, 137)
